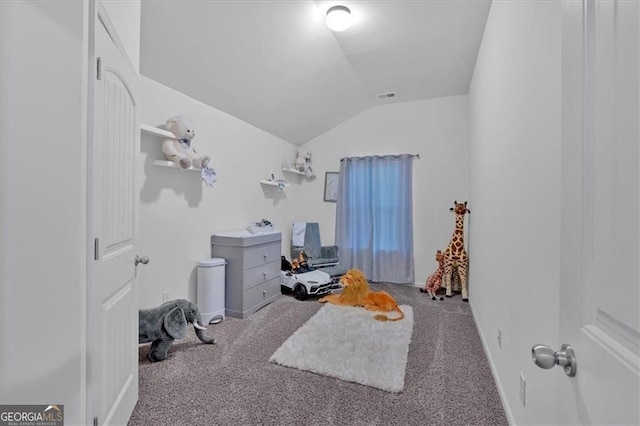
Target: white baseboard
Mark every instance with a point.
(503, 396)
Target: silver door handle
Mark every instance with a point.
(544, 357)
(144, 260)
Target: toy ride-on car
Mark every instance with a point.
(311, 283)
(305, 281)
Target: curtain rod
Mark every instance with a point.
(369, 157)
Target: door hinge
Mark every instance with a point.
(96, 249)
(99, 69)
(95, 421)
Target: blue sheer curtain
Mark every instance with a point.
(374, 223)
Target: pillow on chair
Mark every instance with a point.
(317, 254)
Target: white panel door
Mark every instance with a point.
(113, 296)
(600, 294)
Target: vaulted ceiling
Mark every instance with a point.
(275, 64)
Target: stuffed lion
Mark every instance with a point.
(357, 293)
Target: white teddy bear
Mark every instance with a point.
(179, 150)
(303, 162)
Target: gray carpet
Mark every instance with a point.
(448, 380)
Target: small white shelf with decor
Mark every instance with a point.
(164, 163)
(162, 133)
(273, 182)
(156, 131)
(294, 171)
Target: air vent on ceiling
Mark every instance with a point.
(387, 95)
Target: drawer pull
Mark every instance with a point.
(264, 274)
(264, 293)
(265, 257)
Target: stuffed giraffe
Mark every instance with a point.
(455, 255)
(435, 280)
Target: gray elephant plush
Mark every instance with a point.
(166, 323)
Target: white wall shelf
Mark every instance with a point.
(295, 171)
(156, 131)
(162, 133)
(272, 182)
(164, 163)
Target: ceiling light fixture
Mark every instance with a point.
(338, 18)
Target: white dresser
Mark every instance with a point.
(253, 269)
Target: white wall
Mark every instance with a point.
(42, 188)
(125, 16)
(515, 198)
(179, 213)
(437, 129)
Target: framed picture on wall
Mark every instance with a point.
(331, 186)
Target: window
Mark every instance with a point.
(374, 217)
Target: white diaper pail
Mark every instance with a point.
(211, 282)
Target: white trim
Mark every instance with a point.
(494, 372)
(87, 54)
(2, 191)
(90, 340)
(103, 17)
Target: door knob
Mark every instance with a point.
(544, 357)
(144, 260)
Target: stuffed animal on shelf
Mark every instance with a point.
(164, 324)
(303, 162)
(434, 281)
(180, 149)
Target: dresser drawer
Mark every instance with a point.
(260, 293)
(261, 255)
(254, 276)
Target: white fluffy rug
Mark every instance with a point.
(347, 343)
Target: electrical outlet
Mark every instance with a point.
(499, 337)
(523, 388)
(165, 296)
